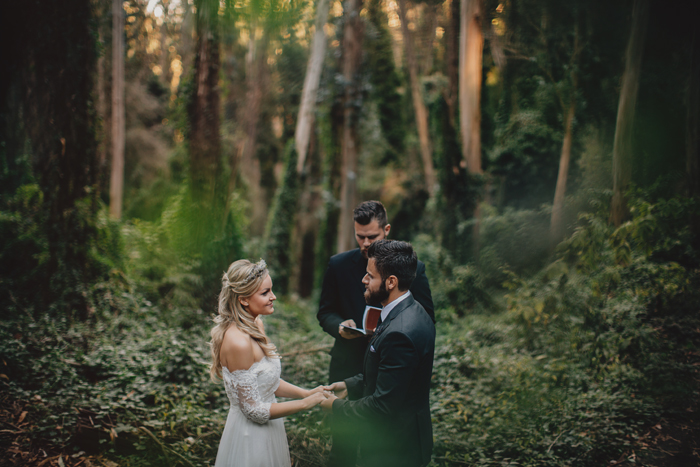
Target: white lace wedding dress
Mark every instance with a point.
(250, 438)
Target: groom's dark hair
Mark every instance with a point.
(394, 258)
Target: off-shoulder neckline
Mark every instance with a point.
(249, 369)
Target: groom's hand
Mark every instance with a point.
(327, 405)
(340, 389)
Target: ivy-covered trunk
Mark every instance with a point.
(204, 139)
(58, 78)
(351, 58)
(622, 147)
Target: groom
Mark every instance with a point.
(388, 402)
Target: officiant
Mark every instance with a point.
(342, 302)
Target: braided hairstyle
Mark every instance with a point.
(242, 280)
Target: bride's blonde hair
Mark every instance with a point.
(242, 280)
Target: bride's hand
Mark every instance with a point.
(317, 389)
(314, 399)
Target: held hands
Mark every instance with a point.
(344, 333)
(317, 395)
(340, 391)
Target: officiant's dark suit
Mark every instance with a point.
(342, 298)
(388, 403)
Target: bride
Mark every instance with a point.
(248, 363)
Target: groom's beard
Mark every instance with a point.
(378, 296)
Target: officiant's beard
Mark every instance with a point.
(377, 296)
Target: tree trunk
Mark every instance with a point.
(560, 191)
(351, 57)
(305, 121)
(116, 186)
(102, 113)
(693, 121)
(418, 104)
(57, 71)
(310, 203)
(205, 144)
(622, 146)
(693, 134)
(256, 60)
(429, 34)
(452, 35)
(471, 47)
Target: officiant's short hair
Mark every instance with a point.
(394, 258)
(367, 211)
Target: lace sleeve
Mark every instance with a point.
(245, 385)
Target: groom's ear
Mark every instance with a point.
(391, 283)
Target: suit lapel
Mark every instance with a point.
(393, 314)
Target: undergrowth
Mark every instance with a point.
(575, 365)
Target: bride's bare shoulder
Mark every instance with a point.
(237, 350)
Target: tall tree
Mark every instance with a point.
(116, 186)
(310, 200)
(556, 227)
(471, 49)
(256, 80)
(692, 146)
(452, 42)
(57, 73)
(353, 31)
(203, 112)
(305, 121)
(385, 81)
(693, 120)
(421, 111)
(622, 146)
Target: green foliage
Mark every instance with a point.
(515, 240)
(526, 156)
(176, 261)
(582, 358)
(25, 274)
(385, 82)
(590, 351)
(136, 389)
(278, 233)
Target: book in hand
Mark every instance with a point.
(369, 321)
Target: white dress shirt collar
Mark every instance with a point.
(390, 306)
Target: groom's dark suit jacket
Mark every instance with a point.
(388, 403)
(342, 298)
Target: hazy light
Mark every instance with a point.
(151, 6)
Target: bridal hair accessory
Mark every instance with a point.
(258, 270)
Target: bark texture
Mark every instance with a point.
(116, 186)
(451, 93)
(622, 146)
(305, 121)
(693, 135)
(562, 178)
(353, 32)
(256, 62)
(471, 47)
(421, 111)
(205, 143)
(693, 121)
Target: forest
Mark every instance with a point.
(542, 156)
